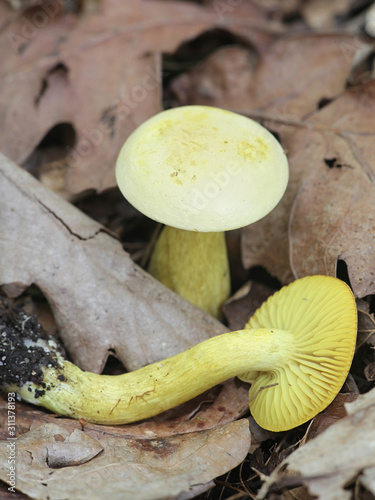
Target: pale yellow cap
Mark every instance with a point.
(202, 168)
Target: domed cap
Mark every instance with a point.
(202, 168)
(320, 312)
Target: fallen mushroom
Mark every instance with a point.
(201, 171)
(296, 350)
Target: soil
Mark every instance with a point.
(24, 349)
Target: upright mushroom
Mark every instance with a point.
(201, 171)
(296, 350)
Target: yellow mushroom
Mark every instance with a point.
(296, 351)
(201, 171)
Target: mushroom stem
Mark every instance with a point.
(146, 392)
(194, 265)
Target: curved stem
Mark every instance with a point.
(160, 386)
(194, 265)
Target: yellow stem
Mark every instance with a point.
(194, 265)
(146, 392)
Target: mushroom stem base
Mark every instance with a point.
(146, 392)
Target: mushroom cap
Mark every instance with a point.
(321, 313)
(202, 168)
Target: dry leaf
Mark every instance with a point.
(129, 468)
(334, 412)
(366, 324)
(100, 299)
(63, 449)
(334, 213)
(335, 458)
(327, 212)
(283, 8)
(101, 74)
(322, 14)
(285, 80)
